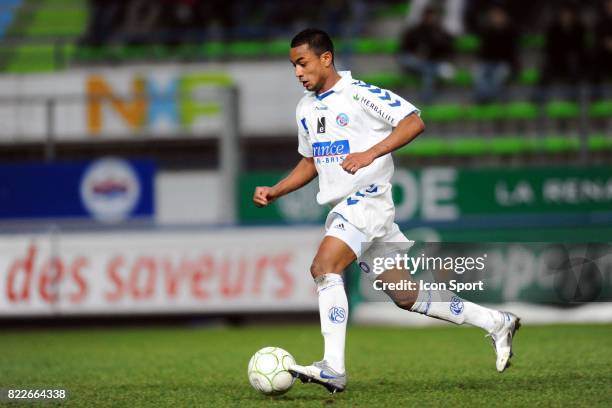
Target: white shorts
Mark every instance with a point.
(365, 225)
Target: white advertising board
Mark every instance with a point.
(224, 270)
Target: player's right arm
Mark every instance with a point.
(301, 175)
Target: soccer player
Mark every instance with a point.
(347, 130)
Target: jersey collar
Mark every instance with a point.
(345, 79)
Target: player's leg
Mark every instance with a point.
(333, 256)
(446, 305)
(338, 249)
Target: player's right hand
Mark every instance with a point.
(263, 196)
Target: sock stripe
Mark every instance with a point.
(331, 286)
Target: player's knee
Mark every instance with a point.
(404, 304)
(321, 266)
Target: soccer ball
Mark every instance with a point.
(268, 371)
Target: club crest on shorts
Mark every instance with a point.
(342, 119)
(456, 305)
(336, 314)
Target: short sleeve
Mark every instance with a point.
(304, 145)
(383, 104)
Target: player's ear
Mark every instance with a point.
(327, 58)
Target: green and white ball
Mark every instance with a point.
(268, 371)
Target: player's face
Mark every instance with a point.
(310, 69)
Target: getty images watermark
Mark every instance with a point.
(534, 272)
(424, 263)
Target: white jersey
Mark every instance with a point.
(351, 117)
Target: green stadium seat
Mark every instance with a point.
(485, 112)
(521, 111)
(213, 49)
(462, 77)
(388, 80)
(434, 146)
(247, 49)
(529, 76)
(600, 143)
(467, 146)
(394, 10)
(512, 145)
(532, 41)
(601, 109)
(561, 110)
(560, 144)
(446, 112)
(425, 147)
(373, 46)
(467, 43)
(278, 48)
(32, 58)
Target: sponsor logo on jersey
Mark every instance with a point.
(342, 119)
(340, 226)
(321, 124)
(336, 314)
(376, 109)
(320, 107)
(336, 148)
(456, 305)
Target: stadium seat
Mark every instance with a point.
(247, 49)
(521, 111)
(389, 80)
(467, 43)
(436, 146)
(560, 144)
(425, 147)
(561, 110)
(467, 146)
(512, 145)
(462, 77)
(56, 18)
(443, 112)
(601, 109)
(485, 112)
(600, 143)
(529, 76)
(373, 46)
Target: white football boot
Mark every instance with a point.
(320, 373)
(502, 340)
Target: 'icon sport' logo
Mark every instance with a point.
(337, 314)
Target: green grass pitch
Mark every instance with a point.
(562, 365)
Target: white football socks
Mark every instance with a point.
(333, 312)
(445, 305)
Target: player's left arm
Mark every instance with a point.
(406, 131)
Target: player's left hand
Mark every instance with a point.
(355, 161)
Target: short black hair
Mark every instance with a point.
(318, 40)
